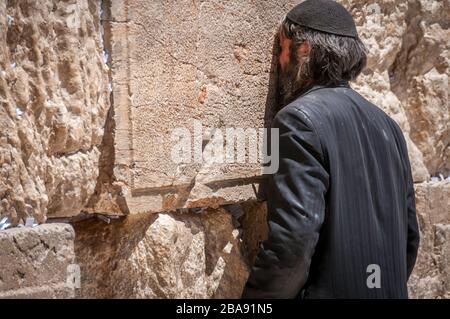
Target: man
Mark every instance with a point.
(341, 209)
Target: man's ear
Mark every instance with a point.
(304, 49)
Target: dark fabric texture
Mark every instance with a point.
(341, 200)
(324, 15)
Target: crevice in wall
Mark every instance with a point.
(107, 198)
(399, 70)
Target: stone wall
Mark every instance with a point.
(431, 276)
(54, 99)
(165, 255)
(37, 262)
(175, 63)
(157, 229)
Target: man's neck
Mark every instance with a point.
(311, 86)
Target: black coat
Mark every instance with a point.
(342, 199)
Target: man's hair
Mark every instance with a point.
(333, 59)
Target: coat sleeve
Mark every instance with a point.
(296, 209)
(413, 227)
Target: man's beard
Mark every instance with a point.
(294, 80)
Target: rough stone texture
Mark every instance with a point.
(175, 62)
(161, 256)
(54, 98)
(254, 223)
(419, 78)
(34, 261)
(430, 278)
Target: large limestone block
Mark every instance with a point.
(176, 62)
(36, 262)
(443, 248)
(54, 97)
(430, 276)
(191, 255)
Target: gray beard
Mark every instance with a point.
(293, 80)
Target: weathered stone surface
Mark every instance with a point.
(255, 227)
(443, 248)
(419, 78)
(161, 256)
(54, 97)
(430, 276)
(175, 62)
(34, 261)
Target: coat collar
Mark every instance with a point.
(318, 87)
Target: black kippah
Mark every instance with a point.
(324, 15)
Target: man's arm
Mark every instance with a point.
(296, 209)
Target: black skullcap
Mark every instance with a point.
(324, 15)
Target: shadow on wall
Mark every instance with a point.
(273, 105)
(99, 247)
(179, 255)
